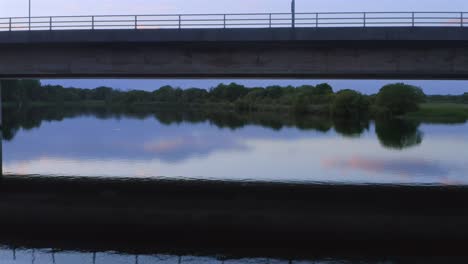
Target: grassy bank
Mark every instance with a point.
(428, 112)
(320, 109)
(441, 113)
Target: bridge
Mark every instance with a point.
(367, 45)
(407, 45)
(222, 218)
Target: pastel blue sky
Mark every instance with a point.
(86, 7)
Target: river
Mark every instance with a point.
(232, 147)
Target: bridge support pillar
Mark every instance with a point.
(1, 132)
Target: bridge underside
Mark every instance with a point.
(401, 53)
(288, 219)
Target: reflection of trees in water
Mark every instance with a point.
(393, 133)
(318, 124)
(398, 133)
(352, 127)
(29, 118)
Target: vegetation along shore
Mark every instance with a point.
(393, 100)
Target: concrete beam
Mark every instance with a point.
(235, 215)
(368, 53)
(1, 132)
(247, 35)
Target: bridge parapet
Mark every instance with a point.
(239, 20)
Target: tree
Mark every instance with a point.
(230, 92)
(300, 104)
(323, 89)
(101, 93)
(274, 92)
(349, 103)
(194, 95)
(242, 105)
(399, 98)
(320, 94)
(464, 98)
(320, 89)
(255, 94)
(137, 96)
(20, 91)
(165, 94)
(10, 90)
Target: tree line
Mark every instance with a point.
(392, 99)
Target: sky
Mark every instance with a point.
(13, 8)
(101, 7)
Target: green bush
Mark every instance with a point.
(464, 98)
(242, 105)
(349, 103)
(320, 94)
(300, 104)
(399, 98)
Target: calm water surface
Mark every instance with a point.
(233, 147)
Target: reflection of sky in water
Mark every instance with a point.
(400, 168)
(87, 146)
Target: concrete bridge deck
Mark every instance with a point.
(448, 35)
(360, 53)
(276, 219)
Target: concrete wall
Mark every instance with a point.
(387, 53)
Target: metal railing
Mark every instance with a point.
(251, 20)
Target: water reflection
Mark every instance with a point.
(29, 118)
(398, 133)
(83, 141)
(395, 133)
(401, 167)
(351, 127)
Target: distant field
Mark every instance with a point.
(441, 112)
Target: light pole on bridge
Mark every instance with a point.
(29, 15)
(293, 12)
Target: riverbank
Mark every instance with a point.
(428, 112)
(322, 109)
(440, 113)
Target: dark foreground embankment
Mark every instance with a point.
(231, 218)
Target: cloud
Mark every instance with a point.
(402, 167)
(176, 149)
(87, 7)
(162, 146)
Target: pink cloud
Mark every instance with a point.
(402, 167)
